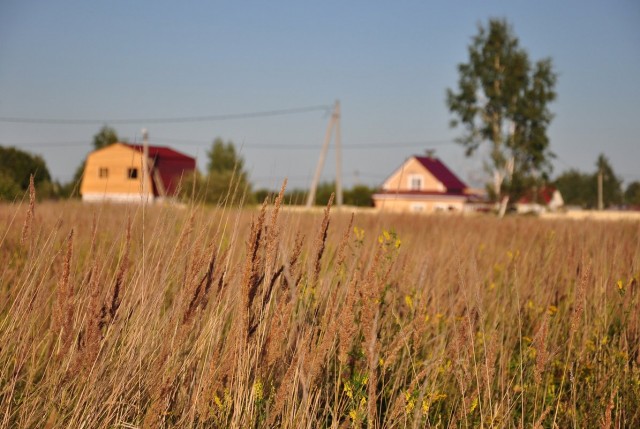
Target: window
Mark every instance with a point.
(132, 173)
(103, 172)
(415, 182)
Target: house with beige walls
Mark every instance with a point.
(116, 173)
(423, 184)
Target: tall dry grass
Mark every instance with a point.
(119, 316)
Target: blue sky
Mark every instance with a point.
(389, 63)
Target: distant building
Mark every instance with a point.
(544, 199)
(115, 173)
(423, 184)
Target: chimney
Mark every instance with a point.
(430, 152)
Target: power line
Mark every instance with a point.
(167, 120)
(387, 145)
(264, 146)
(49, 144)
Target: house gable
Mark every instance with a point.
(422, 184)
(411, 173)
(440, 171)
(115, 169)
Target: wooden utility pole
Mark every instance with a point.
(334, 123)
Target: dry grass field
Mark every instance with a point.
(115, 316)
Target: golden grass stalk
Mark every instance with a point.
(62, 322)
(28, 221)
(320, 241)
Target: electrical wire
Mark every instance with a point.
(258, 146)
(167, 120)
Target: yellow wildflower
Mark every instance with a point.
(353, 414)
(359, 232)
(425, 406)
(474, 405)
(258, 390)
(409, 301)
(217, 401)
(411, 402)
(348, 389)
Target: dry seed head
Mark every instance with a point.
(253, 264)
(606, 421)
(26, 228)
(278, 332)
(116, 297)
(63, 315)
(538, 423)
(347, 327)
(343, 244)
(273, 233)
(579, 300)
(93, 334)
(321, 239)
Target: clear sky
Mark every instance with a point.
(389, 63)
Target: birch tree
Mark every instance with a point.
(502, 100)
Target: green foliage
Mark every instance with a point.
(16, 167)
(261, 194)
(359, 195)
(105, 137)
(581, 189)
(502, 99)
(223, 157)
(9, 189)
(297, 197)
(632, 194)
(323, 193)
(577, 189)
(611, 185)
(72, 188)
(226, 179)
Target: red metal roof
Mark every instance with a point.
(170, 164)
(162, 152)
(442, 173)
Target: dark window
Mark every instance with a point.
(103, 172)
(132, 173)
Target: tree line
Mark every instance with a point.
(226, 179)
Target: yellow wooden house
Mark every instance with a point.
(117, 173)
